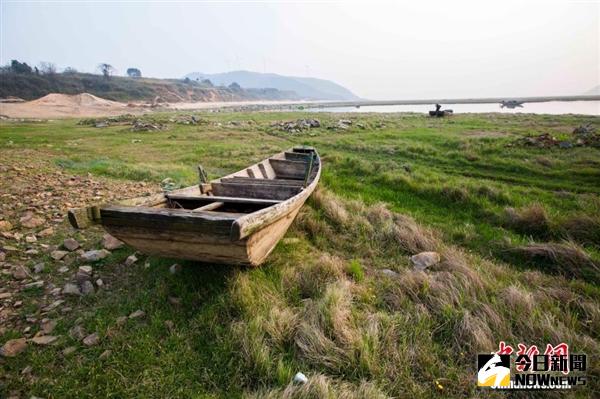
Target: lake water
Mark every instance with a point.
(552, 108)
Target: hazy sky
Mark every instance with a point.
(379, 50)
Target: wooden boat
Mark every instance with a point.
(237, 219)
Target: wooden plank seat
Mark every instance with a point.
(260, 191)
(228, 200)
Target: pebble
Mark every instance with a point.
(29, 221)
(71, 244)
(389, 273)
(27, 370)
(111, 243)
(20, 273)
(2, 256)
(44, 339)
(35, 284)
(58, 255)
(131, 259)
(63, 269)
(105, 354)
(121, 320)
(94, 255)
(46, 232)
(300, 378)
(47, 326)
(424, 260)
(13, 347)
(174, 300)
(39, 267)
(91, 340)
(71, 289)
(137, 314)
(99, 283)
(30, 239)
(175, 268)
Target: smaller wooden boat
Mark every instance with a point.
(237, 219)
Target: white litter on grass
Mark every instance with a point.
(300, 378)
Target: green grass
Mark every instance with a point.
(402, 184)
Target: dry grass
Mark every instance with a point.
(531, 220)
(566, 258)
(584, 229)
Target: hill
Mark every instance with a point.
(306, 88)
(30, 86)
(594, 91)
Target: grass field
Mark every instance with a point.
(518, 229)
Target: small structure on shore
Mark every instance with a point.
(440, 112)
(511, 104)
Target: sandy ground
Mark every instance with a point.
(88, 105)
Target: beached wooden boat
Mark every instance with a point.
(237, 219)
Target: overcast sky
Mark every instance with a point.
(379, 50)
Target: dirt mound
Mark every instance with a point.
(77, 100)
(65, 105)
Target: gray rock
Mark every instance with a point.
(176, 268)
(58, 255)
(111, 243)
(131, 259)
(94, 255)
(20, 272)
(389, 273)
(424, 260)
(63, 269)
(99, 283)
(71, 289)
(91, 340)
(71, 244)
(87, 288)
(39, 267)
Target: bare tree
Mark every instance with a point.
(106, 70)
(47, 68)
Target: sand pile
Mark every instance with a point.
(56, 105)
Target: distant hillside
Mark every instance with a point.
(30, 86)
(306, 88)
(594, 91)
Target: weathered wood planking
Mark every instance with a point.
(226, 199)
(249, 180)
(263, 191)
(285, 169)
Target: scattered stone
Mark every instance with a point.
(44, 339)
(20, 272)
(297, 125)
(389, 273)
(77, 332)
(99, 283)
(94, 255)
(5, 295)
(5, 225)
(131, 259)
(300, 378)
(39, 267)
(2, 256)
(63, 269)
(84, 273)
(35, 284)
(71, 289)
(137, 314)
(71, 244)
(47, 326)
(30, 221)
(87, 288)
(53, 305)
(174, 301)
(30, 239)
(91, 340)
(46, 232)
(69, 350)
(18, 304)
(58, 255)
(27, 370)
(105, 354)
(121, 320)
(424, 260)
(111, 243)
(13, 347)
(175, 268)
